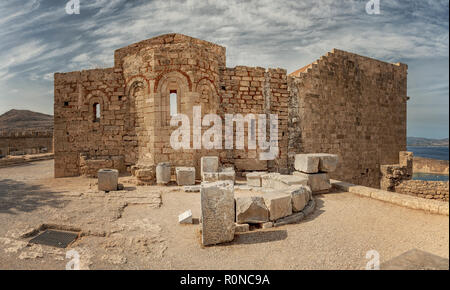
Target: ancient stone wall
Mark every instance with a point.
(25, 143)
(345, 104)
(352, 106)
(425, 189)
(428, 165)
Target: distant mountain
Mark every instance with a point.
(416, 141)
(24, 120)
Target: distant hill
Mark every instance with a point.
(24, 120)
(416, 141)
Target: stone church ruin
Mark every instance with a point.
(119, 117)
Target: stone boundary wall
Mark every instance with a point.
(428, 165)
(26, 142)
(352, 106)
(424, 189)
(17, 160)
(412, 202)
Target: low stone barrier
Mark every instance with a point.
(18, 160)
(428, 205)
(428, 165)
(424, 189)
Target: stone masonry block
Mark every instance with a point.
(307, 163)
(318, 182)
(251, 210)
(279, 204)
(209, 164)
(327, 162)
(163, 174)
(218, 213)
(185, 175)
(254, 178)
(108, 179)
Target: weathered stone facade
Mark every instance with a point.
(343, 104)
(25, 143)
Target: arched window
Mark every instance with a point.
(173, 103)
(96, 112)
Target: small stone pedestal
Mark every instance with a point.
(163, 175)
(108, 179)
(185, 175)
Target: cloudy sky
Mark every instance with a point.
(38, 38)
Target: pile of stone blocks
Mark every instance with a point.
(212, 172)
(314, 167)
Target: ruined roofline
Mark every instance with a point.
(169, 38)
(336, 51)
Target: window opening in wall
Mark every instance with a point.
(173, 103)
(66, 104)
(97, 113)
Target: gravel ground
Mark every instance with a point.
(138, 229)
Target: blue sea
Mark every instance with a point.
(440, 153)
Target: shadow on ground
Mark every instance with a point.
(258, 237)
(16, 196)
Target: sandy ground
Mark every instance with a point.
(138, 229)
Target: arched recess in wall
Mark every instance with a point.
(172, 88)
(208, 96)
(137, 94)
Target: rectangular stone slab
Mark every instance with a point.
(218, 214)
(318, 182)
(254, 178)
(185, 175)
(307, 163)
(279, 204)
(209, 164)
(327, 162)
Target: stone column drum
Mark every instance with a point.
(108, 179)
(163, 175)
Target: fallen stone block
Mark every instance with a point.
(185, 218)
(279, 204)
(318, 182)
(292, 219)
(327, 162)
(108, 179)
(185, 175)
(300, 197)
(285, 181)
(251, 210)
(307, 163)
(254, 178)
(210, 176)
(192, 188)
(163, 174)
(218, 213)
(227, 175)
(209, 164)
(267, 180)
(267, 225)
(242, 228)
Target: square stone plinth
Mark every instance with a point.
(307, 163)
(185, 175)
(209, 164)
(254, 178)
(217, 204)
(327, 162)
(108, 179)
(318, 182)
